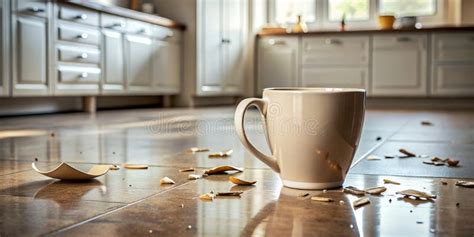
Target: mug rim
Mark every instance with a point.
(322, 90)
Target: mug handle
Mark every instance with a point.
(261, 105)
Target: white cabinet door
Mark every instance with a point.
(29, 41)
(453, 80)
(209, 45)
(114, 76)
(139, 52)
(277, 62)
(337, 77)
(233, 75)
(4, 49)
(166, 67)
(399, 65)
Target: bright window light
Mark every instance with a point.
(407, 7)
(286, 11)
(354, 10)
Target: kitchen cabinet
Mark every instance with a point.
(138, 54)
(166, 69)
(452, 64)
(4, 48)
(114, 73)
(29, 54)
(278, 62)
(220, 47)
(335, 61)
(399, 65)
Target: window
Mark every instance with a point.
(407, 7)
(354, 10)
(286, 11)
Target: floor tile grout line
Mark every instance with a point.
(378, 145)
(111, 211)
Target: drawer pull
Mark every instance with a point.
(403, 39)
(82, 17)
(333, 41)
(35, 9)
(84, 75)
(276, 42)
(83, 56)
(142, 31)
(118, 24)
(225, 41)
(83, 36)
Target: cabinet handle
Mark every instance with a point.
(225, 41)
(276, 42)
(84, 75)
(403, 39)
(333, 41)
(142, 31)
(82, 17)
(83, 36)
(35, 9)
(83, 56)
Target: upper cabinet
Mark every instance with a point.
(277, 62)
(399, 65)
(30, 43)
(452, 64)
(220, 46)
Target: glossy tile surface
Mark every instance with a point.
(132, 202)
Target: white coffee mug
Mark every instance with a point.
(313, 133)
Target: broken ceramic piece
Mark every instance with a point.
(207, 196)
(240, 181)
(354, 191)
(222, 170)
(416, 194)
(452, 162)
(407, 153)
(187, 170)
(114, 167)
(233, 194)
(135, 167)
(361, 202)
(166, 180)
(66, 172)
(226, 153)
(197, 149)
(373, 157)
(466, 184)
(194, 177)
(321, 199)
(376, 190)
(388, 181)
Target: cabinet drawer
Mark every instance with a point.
(78, 75)
(402, 41)
(78, 55)
(453, 80)
(79, 35)
(161, 32)
(356, 77)
(113, 22)
(336, 50)
(32, 7)
(79, 15)
(139, 28)
(453, 47)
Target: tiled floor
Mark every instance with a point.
(132, 202)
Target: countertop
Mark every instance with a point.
(361, 31)
(125, 12)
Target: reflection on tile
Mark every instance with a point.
(414, 166)
(271, 210)
(26, 216)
